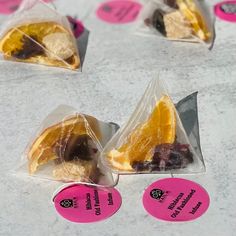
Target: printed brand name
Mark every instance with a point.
(194, 209)
(174, 203)
(182, 204)
(110, 199)
(228, 8)
(95, 199)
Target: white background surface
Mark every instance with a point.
(117, 68)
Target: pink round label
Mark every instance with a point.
(119, 11)
(226, 10)
(85, 204)
(175, 199)
(9, 6)
(77, 26)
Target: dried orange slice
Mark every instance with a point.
(25, 43)
(159, 128)
(192, 14)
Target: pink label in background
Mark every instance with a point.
(9, 6)
(77, 26)
(226, 10)
(119, 11)
(175, 199)
(84, 204)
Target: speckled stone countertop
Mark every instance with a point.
(117, 68)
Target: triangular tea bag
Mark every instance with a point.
(178, 20)
(153, 140)
(36, 33)
(66, 148)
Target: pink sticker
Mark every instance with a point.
(85, 204)
(9, 6)
(119, 11)
(226, 10)
(77, 26)
(175, 199)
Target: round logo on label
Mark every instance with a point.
(9, 6)
(85, 204)
(66, 203)
(119, 11)
(175, 199)
(226, 10)
(156, 193)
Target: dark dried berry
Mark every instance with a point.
(156, 159)
(171, 3)
(140, 166)
(154, 167)
(166, 157)
(29, 49)
(181, 147)
(184, 150)
(189, 156)
(158, 21)
(172, 156)
(162, 151)
(76, 147)
(175, 159)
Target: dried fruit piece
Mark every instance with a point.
(176, 26)
(75, 171)
(119, 160)
(158, 21)
(191, 13)
(159, 128)
(59, 45)
(171, 3)
(166, 157)
(76, 147)
(29, 49)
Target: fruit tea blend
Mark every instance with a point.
(154, 139)
(180, 20)
(66, 148)
(36, 33)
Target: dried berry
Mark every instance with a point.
(141, 166)
(175, 159)
(147, 21)
(162, 151)
(166, 157)
(171, 3)
(158, 21)
(29, 49)
(76, 148)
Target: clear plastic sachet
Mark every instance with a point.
(66, 148)
(154, 139)
(37, 33)
(179, 20)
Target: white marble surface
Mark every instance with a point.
(117, 68)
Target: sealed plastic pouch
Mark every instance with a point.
(66, 148)
(180, 20)
(36, 33)
(153, 140)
